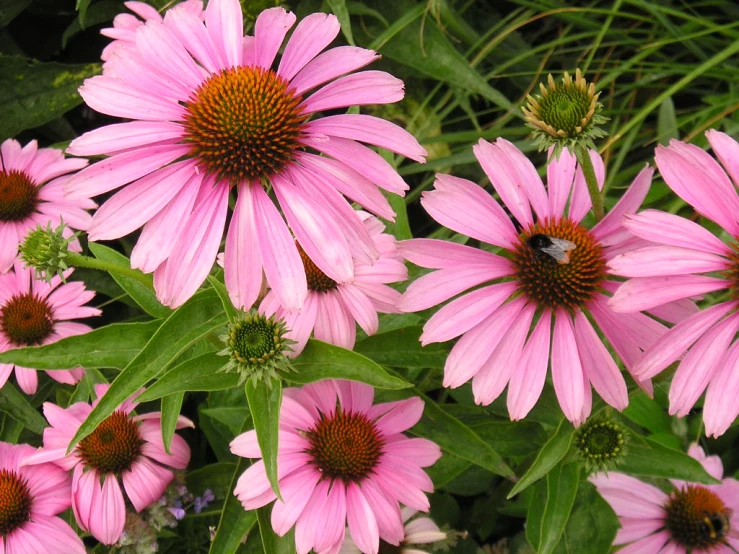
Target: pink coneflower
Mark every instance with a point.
(417, 531)
(531, 290)
(30, 499)
(675, 268)
(331, 309)
(211, 115)
(31, 181)
(124, 26)
(35, 312)
(693, 519)
(124, 447)
(338, 464)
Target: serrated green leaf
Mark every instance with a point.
(549, 456)
(231, 312)
(143, 295)
(264, 404)
(550, 507)
(171, 408)
(201, 315)
(110, 346)
(33, 93)
(401, 348)
(650, 458)
(338, 7)
(320, 360)
(235, 522)
(17, 406)
(196, 374)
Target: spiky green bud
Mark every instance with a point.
(46, 250)
(601, 444)
(257, 348)
(565, 114)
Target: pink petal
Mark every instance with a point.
(145, 483)
(314, 33)
(107, 511)
(386, 512)
(721, 405)
(270, 29)
(139, 202)
(439, 254)
(362, 159)
(27, 379)
(195, 248)
(489, 382)
(699, 365)
(666, 228)
(296, 490)
(678, 339)
(633, 529)
(699, 180)
(567, 371)
(475, 347)
(354, 397)
(225, 23)
(727, 150)
(644, 293)
(370, 130)
(124, 136)
(331, 64)
(465, 312)
(527, 381)
(190, 31)
(334, 323)
(361, 519)
(602, 370)
(160, 48)
(560, 174)
(121, 169)
(360, 307)
(401, 417)
(421, 452)
(243, 264)
(282, 263)
(467, 208)
(656, 261)
(357, 89)
(628, 204)
(397, 486)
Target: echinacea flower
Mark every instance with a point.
(332, 310)
(35, 312)
(124, 447)
(692, 519)
(506, 326)
(340, 463)
(30, 499)
(31, 182)
(210, 114)
(686, 260)
(418, 531)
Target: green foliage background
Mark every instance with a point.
(666, 69)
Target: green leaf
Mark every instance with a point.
(271, 543)
(401, 348)
(33, 93)
(201, 315)
(650, 458)
(646, 412)
(171, 408)
(230, 416)
(235, 522)
(342, 14)
(143, 296)
(110, 346)
(264, 404)
(231, 312)
(196, 374)
(455, 437)
(15, 404)
(320, 360)
(592, 526)
(550, 507)
(667, 122)
(422, 45)
(549, 456)
(9, 9)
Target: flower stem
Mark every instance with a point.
(78, 260)
(586, 164)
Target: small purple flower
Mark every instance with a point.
(176, 510)
(203, 501)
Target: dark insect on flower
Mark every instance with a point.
(555, 248)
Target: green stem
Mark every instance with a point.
(586, 164)
(78, 260)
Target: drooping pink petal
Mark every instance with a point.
(727, 151)
(334, 323)
(107, 511)
(361, 520)
(296, 490)
(527, 382)
(145, 482)
(721, 406)
(243, 264)
(567, 371)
